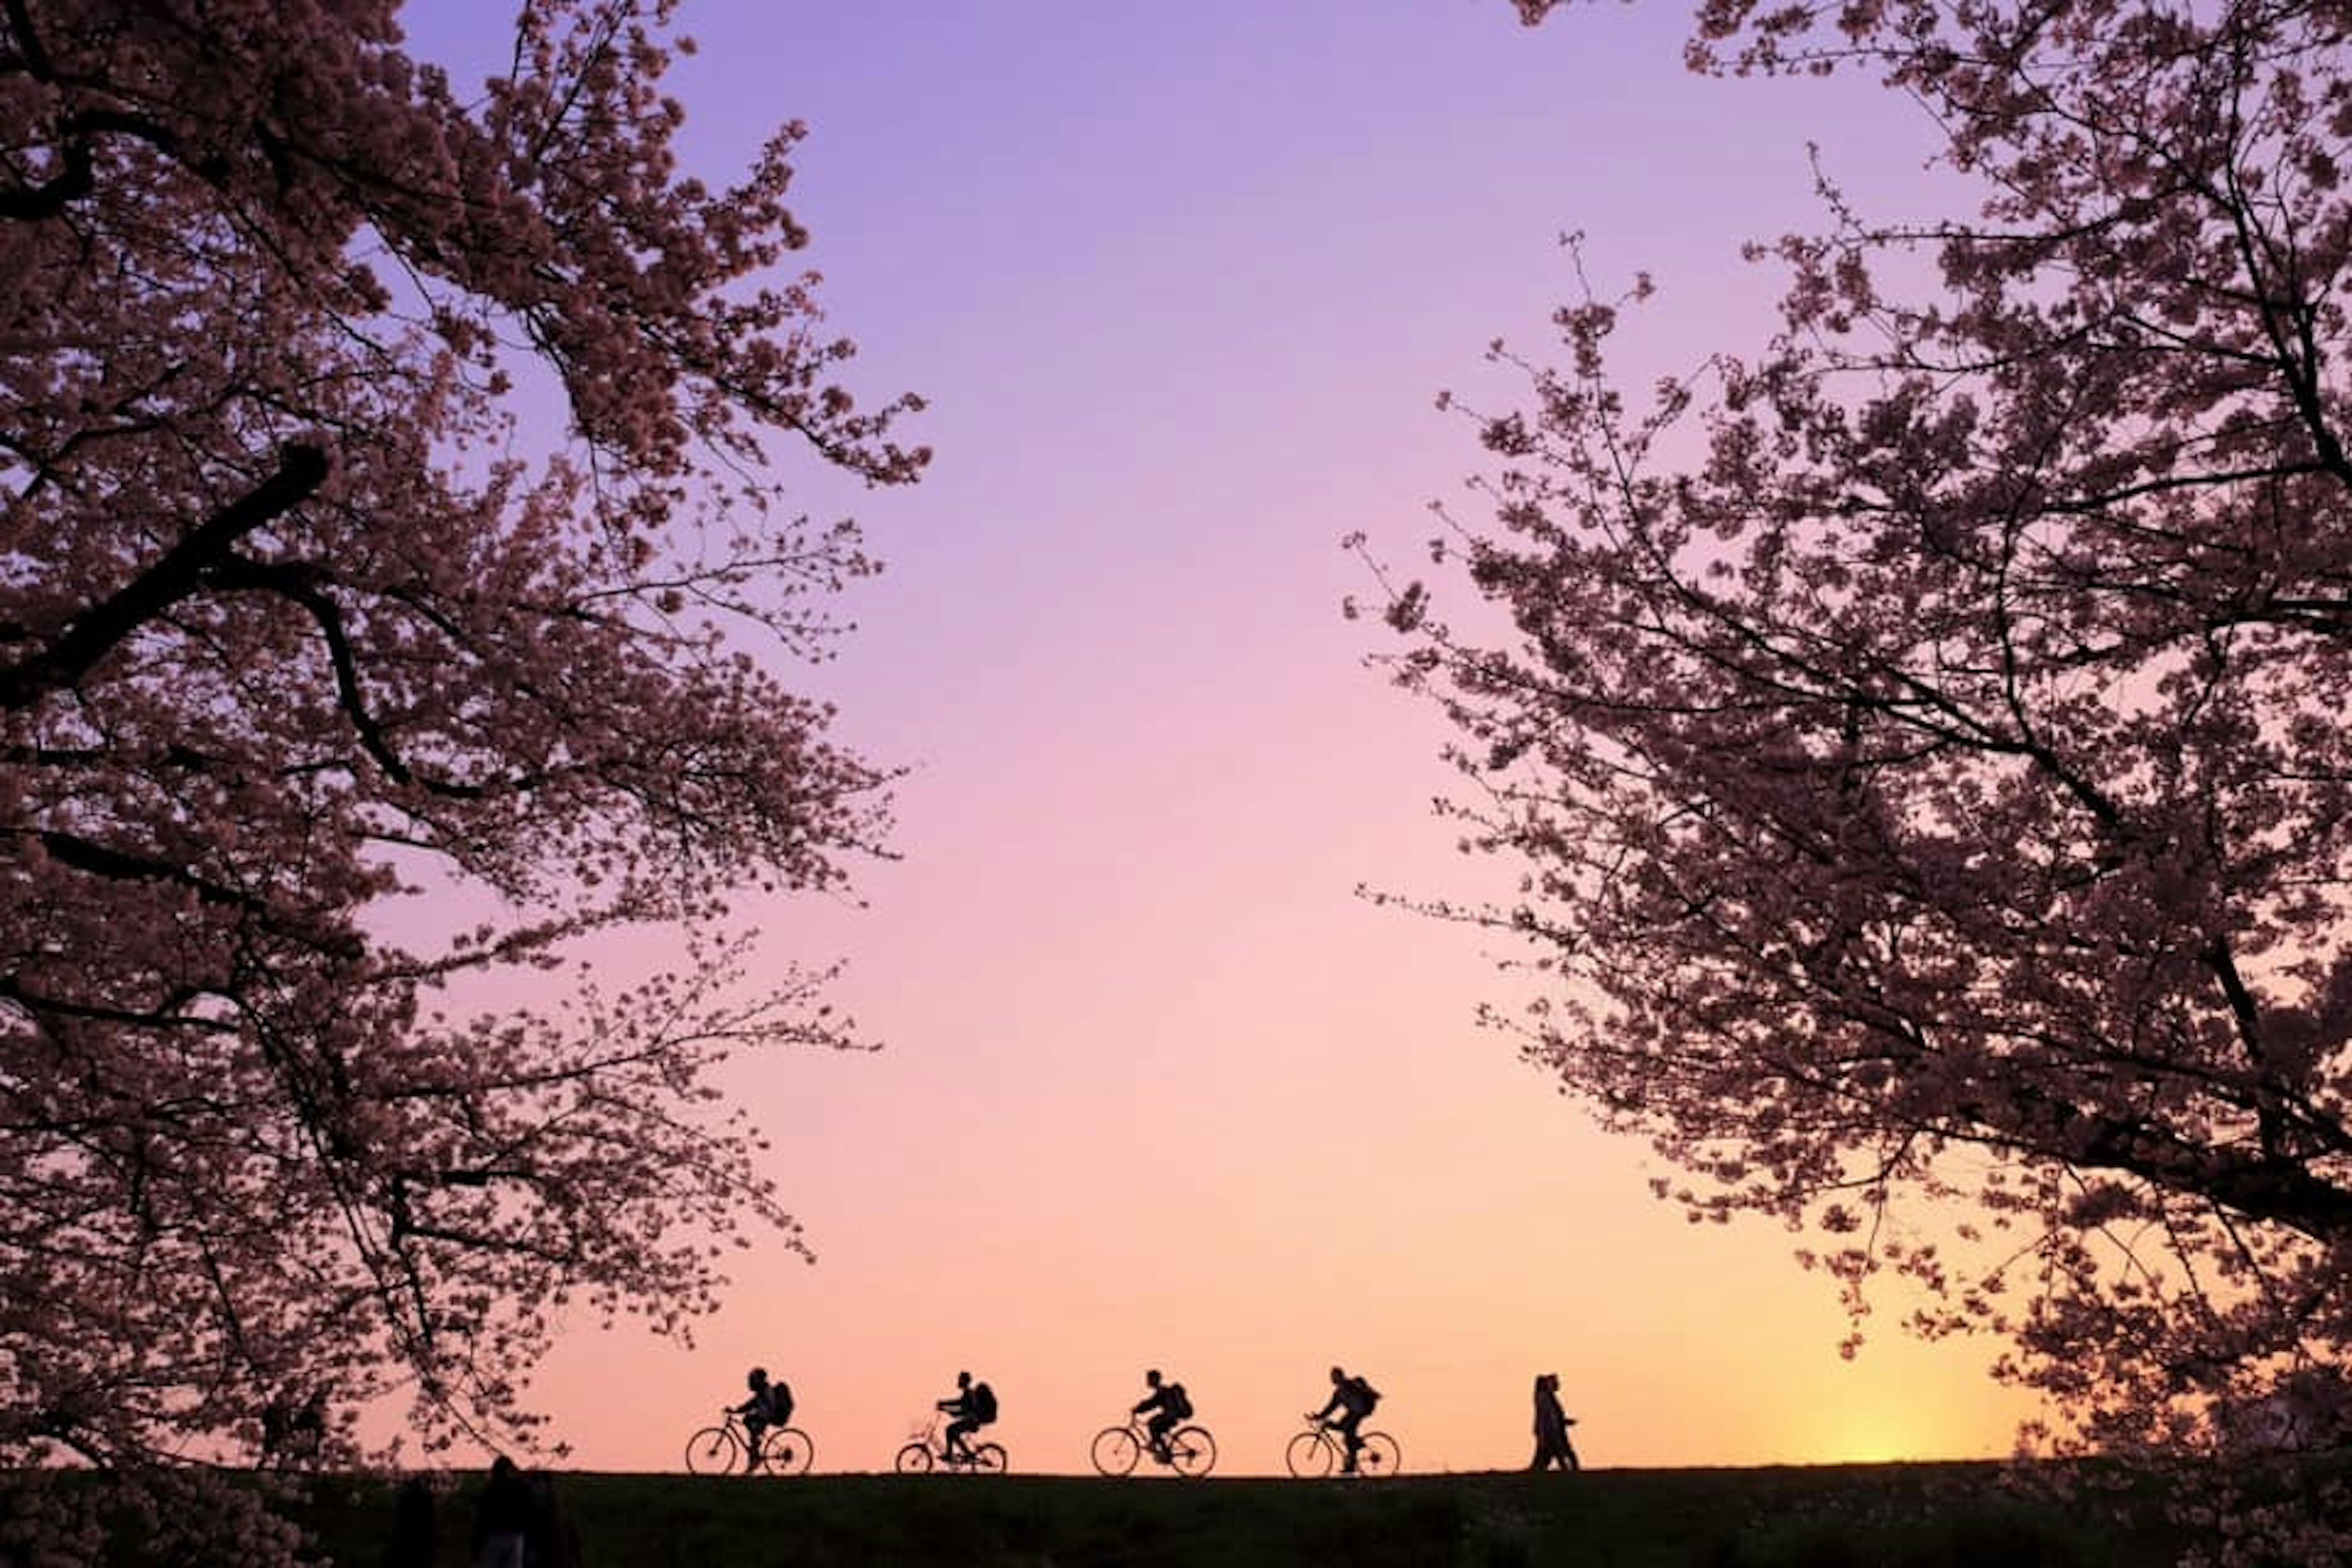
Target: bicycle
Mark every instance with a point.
(717, 1450)
(1117, 1449)
(918, 1456)
(1320, 1448)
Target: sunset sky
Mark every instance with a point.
(1158, 1087)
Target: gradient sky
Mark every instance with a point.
(1158, 1089)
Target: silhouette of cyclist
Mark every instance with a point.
(974, 1407)
(771, 1404)
(1168, 1403)
(1353, 1398)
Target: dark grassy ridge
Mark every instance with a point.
(1892, 1516)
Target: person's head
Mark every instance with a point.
(1152, 1377)
(963, 1380)
(757, 1378)
(1338, 1374)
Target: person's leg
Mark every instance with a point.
(755, 1431)
(958, 1429)
(1348, 1424)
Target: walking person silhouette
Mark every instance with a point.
(1553, 1446)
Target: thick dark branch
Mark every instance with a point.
(96, 632)
(79, 177)
(300, 583)
(30, 55)
(122, 866)
(169, 1015)
(2269, 1184)
(2274, 1189)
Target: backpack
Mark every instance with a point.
(983, 1402)
(780, 1401)
(1367, 1398)
(1176, 1401)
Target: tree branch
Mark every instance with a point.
(90, 637)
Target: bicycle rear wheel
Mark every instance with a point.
(1192, 1450)
(713, 1451)
(1115, 1451)
(1308, 1456)
(914, 1459)
(988, 1459)
(1380, 1454)
(788, 1452)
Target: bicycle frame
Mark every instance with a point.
(928, 1437)
(1192, 1449)
(983, 1458)
(782, 1450)
(1322, 1449)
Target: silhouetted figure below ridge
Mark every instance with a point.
(502, 1518)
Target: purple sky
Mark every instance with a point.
(1182, 282)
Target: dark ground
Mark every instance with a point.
(1887, 1515)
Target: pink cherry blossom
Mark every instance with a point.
(287, 625)
(1926, 746)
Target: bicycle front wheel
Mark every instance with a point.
(789, 1452)
(1192, 1450)
(713, 1451)
(1308, 1456)
(1115, 1451)
(988, 1459)
(1380, 1454)
(914, 1459)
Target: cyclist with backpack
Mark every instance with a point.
(771, 1404)
(1353, 1398)
(1168, 1404)
(972, 1408)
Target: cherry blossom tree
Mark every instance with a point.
(1924, 743)
(302, 610)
